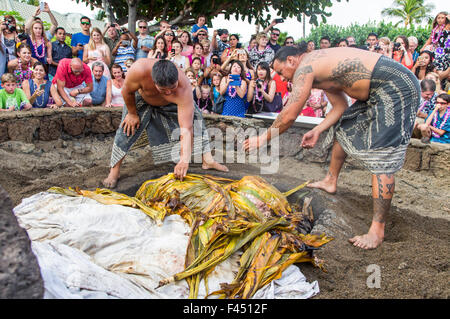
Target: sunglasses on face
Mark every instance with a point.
(289, 42)
(202, 34)
(276, 34)
(86, 23)
(142, 27)
(169, 34)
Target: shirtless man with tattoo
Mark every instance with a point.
(375, 130)
(151, 91)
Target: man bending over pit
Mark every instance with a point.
(375, 130)
(158, 99)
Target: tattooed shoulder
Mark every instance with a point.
(350, 71)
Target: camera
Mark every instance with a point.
(239, 45)
(279, 20)
(259, 83)
(126, 43)
(377, 48)
(173, 51)
(10, 27)
(22, 36)
(397, 46)
(215, 60)
(124, 31)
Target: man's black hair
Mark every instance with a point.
(285, 51)
(164, 73)
(59, 28)
(325, 37)
(84, 17)
(427, 85)
(372, 34)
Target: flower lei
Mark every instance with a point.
(435, 118)
(232, 91)
(35, 47)
(259, 94)
(434, 39)
(21, 74)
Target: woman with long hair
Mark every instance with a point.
(168, 37)
(39, 91)
(401, 52)
(114, 96)
(10, 36)
(240, 55)
(159, 50)
(424, 65)
(262, 89)
(186, 42)
(21, 66)
(197, 53)
(439, 34)
(234, 88)
(97, 50)
(38, 42)
(176, 55)
(233, 41)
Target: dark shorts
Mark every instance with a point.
(376, 132)
(157, 126)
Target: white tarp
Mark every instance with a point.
(90, 250)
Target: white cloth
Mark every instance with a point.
(90, 250)
(80, 97)
(116, 96)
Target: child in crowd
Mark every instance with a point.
(190, 74)
(437, 126)
(197, 68)
(204, 100)
(11, 97)
(317, 102)
(215, 86)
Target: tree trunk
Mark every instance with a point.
(132, 13)
(109, 14)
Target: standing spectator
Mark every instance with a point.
(159, 50)
(401, 53)
(413, 44)
(213, 68)
(196, 67)
(221, 44)
(100, 82)
(169, 36)
(125, 49)
(200, 25)
(207, 53)
(261, 53)
(342, 43)
(97, 51)
(311, 46)
(215, 86)
(234, 40)
(273, 42)
(385, 45)
(439, 34)
(242, 56)
(252, 44)
(10, 38)
(325, 42)
(60, 50)
(372, 41)
(281, 86)
(163, 27)
(81, 38)
(50, 33)
(40, 45)
(261, 90)
(12, 98)
(197, 53)
(437, 126)
(115, 88)
(73, 80)
(234, 91)
(424, 65)
(351, 40)
(3, 52)
(40, 92)
(289, 41)
(186, 42)
(112, 37)
(175, 55)
(202, 35)
(21, 67)
(145, 41)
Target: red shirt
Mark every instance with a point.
(308, 111)
(64, 73)
(281, 85)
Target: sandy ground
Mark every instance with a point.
(412, 262)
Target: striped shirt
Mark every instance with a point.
(123, 54)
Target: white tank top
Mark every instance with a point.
(116, 96)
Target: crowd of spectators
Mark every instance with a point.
(52, 69)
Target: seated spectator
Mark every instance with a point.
(261, 91)
(186, 43)
(125, 49)
(114, 93)
(325, 42)
(190, 74)
(175, 55)
(311, 46)
(385, 45)
(73, 80)
(220, 45)
(428, 93)
(439, 34)
(435, 78)
(145, 41)
(40, 92)
(197, 53)
(424, 65)
(203, 98)
(413, 44)
(111, 37)
(262, 53)
(37, 40)
(207, 53)
(11, 97)
(100, 82)
(289, 41)
(317, 102)
(401, 53)
(234, 41)
(81, 38)
(372, 41)
(10, 36)
(215, 86)
(54, 24)
(60, 50)
(21, 67)
(198, 27)
(437, 125)
(97, 51)
(159, 50)
(234, 91)
(342, 43)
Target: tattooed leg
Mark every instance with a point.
(329, 183)
(382, 192)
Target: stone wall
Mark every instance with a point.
(76, 123)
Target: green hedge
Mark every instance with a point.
(360, 32)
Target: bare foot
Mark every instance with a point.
(368, 241)
(215, 165)
(111, 180)
(324, 185)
